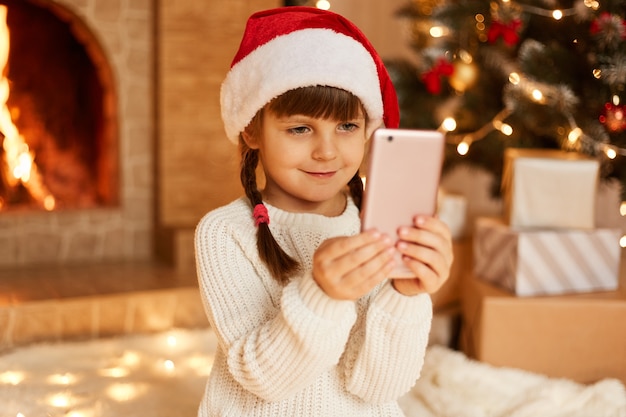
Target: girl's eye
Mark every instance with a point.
(348, 126)
(299, 130)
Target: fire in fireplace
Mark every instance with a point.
(57, 126)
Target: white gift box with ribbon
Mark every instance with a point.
(549, 188)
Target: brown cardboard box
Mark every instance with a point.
(578, 336)
(449, 295)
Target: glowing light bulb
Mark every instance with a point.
(11, 377)
(480, 22)
(610, 153)
(62, 379)
(514, 78)
(622, 208)
(124, 392)
(507, 129)
(59, 400)
(615, 99)
(574, 135)
(622, 242)
(437, 31)
(323, 4)
(462, 148)
(448, 124)
(49, 202)
(169, 365)
(557, 14)
(537, 95)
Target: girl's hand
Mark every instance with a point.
(348, 267)
(427, 251)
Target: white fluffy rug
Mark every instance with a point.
(163, 375)
(453, 386)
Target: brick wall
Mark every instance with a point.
(197, 166)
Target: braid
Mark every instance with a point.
(280, 264)
(249, 162)
(356, 189)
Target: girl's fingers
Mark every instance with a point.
(347, 268)
(427, 251)
(343, 246)
(344, 254)
(428, 232)
(432, 274)
(361, 280)
(364, 258)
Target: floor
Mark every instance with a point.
(163, 375)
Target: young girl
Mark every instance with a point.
(307, 322)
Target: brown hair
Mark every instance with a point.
(319, 102)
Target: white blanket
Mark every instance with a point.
(453, 386)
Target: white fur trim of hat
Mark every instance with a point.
(307, 56)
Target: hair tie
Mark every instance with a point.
(260, 214)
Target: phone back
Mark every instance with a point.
(402, 180)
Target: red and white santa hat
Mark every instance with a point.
(292, 47)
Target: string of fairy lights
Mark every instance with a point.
(540, 93)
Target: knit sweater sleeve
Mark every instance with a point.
(276, 340)
(388, 360)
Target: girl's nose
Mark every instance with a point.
(325, 148)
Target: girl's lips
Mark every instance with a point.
(321, 174)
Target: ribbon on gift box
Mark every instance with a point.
(549, 188)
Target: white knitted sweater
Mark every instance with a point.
(292, 350)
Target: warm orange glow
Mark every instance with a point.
(19, 166)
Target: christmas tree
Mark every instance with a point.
(497, 74)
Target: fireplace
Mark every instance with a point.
(163, 160)
(80, 74)
(60, 139)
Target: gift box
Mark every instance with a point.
(448, 297)
(575, 336)
(546, 261)
(549, 188)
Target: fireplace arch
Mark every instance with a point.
(63, 102)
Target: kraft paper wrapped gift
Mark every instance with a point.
(546, 261)
(575, 336)
(549, 188)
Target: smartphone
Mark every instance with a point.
(402, 181)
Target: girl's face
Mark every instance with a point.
(308, 161)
